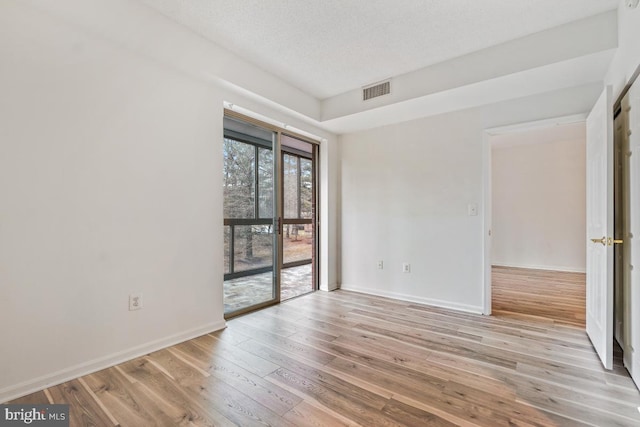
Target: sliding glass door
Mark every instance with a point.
(299, 225)
(270, 227)
(250, 245)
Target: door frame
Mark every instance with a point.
(315, 250)
(278, 131)
(487, 144)
(631, 205)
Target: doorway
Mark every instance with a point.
(538, 207)
(624, 241)
(270, 227)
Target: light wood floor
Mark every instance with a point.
(346, 359)
(548, 296)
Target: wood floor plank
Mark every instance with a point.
(277, 399)
(189, 403)
(409, 415)
(306, 414)
(320, 376)
(539, 295)
(454, 397)
(125, 401)
(37, 398)
(344, 404)
(581, 392)
(446, 346)
(364, 350)
(83, 409)
(348, 359)
(301, 351)
(211, 348)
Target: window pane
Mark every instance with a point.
(239, 179)
(265, 182)
(290, 183)
(253, 247)
(298, 242)
(306, 191)
(227, 243)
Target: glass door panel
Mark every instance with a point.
(298, 234)
(298, 243)
(290, 182)
(250, 245)
(306, 188)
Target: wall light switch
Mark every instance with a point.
(473, 209)
(380, 265)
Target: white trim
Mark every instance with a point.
(403, 297)
(486, 231)
(486, 186)
(561, 268)
(329, 288)
(283, 126)
(538, 124)
(73, 372)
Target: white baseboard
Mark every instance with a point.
(72, 372)
(543, 267)
(330, 287)
(411, 298)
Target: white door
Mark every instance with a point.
(600, 227)
(631, 104)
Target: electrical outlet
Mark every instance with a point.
(380, 265)
(135, 301)
(472, 209)
(406, 267)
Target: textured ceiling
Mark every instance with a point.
(327, 47)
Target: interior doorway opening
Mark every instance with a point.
(538, 205)
(624, 206)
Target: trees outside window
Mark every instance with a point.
(248, 195)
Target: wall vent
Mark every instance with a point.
(376, 90)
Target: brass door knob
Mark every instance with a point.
(607, 241)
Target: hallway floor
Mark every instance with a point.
(551, 296)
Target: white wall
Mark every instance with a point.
(627, 58)
(405, 191)
(405, 195)
(110, 183)
(539, 199)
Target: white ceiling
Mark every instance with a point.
(328, 47)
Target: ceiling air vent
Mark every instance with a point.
(376, 90)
